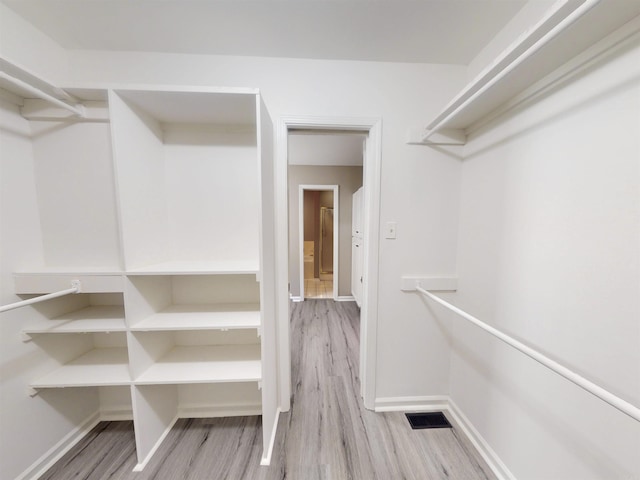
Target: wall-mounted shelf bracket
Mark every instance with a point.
(429, 282)
(444, 136)
(25, 337)
(260, 385)
(32, 392)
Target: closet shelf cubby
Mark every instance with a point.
(205, 364)
(98, 367)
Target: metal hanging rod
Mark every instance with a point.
(75, 109)
(75, 288)
(622, 405)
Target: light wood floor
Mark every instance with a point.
(318, 288)
(327, 434)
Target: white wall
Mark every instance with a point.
(29, 426)
(22, 43)
(412, 176)
(349, 179)
(549, 252)
(414, 179)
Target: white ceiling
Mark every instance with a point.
(418, 31)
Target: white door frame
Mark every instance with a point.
(336, 233)
(369, 310)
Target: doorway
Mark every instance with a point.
(372, 128)
(319, 213)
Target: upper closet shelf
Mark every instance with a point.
(195, 105)
(563, 33)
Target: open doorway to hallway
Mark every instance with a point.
(325, 169)
(369, 147)
(319, 240)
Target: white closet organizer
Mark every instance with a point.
(173, 312)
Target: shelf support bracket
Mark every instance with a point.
(443, 136)
(32, 392)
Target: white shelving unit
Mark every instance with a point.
(525, 67)
(172, 313)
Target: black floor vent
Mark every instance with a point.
(428, 420)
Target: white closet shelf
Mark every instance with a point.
(97, 318)
(230, 267)
(97, 367)
(202, 317)
(537, 53)
(205, 364)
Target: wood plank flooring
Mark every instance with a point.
(318, 288)
(327, 434)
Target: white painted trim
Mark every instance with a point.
(412, 404)
(369, 312)
(216, 411)
(140, 466)
(482, 446)
(445, 403)
(297, 299)
(371, 237)
(55, 453)
(336, 233)
(345, 298)
(266, 455)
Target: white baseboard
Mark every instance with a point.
(413, 404)
(140, 466)
(444, 402)
(296, 299)
(266, 455)
(488, 454)
(214, 411)
(55, 453)
(116, 414)
(345, 298)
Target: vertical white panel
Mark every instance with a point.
(140, 179)
(155, 408)
(267, 284)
